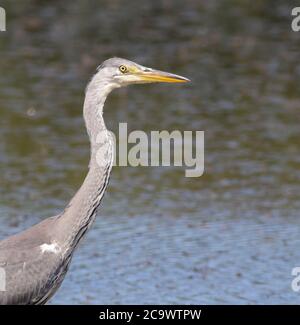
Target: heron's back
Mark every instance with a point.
(34, 265)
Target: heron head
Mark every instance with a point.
(121, 72)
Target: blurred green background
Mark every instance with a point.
(230, 236)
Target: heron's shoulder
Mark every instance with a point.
(29, 238)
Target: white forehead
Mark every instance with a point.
(116, 62)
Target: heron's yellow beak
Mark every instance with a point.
(151, 75)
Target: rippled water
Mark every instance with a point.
(230, 236)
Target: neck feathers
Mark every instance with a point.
(80, 212)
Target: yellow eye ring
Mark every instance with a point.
(123, 69)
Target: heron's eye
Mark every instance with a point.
(123, 68)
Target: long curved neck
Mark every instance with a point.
(81, 211)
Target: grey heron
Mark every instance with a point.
(36, 260)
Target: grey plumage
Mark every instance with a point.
(36, 260)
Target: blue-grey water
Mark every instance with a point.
(230, 236)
